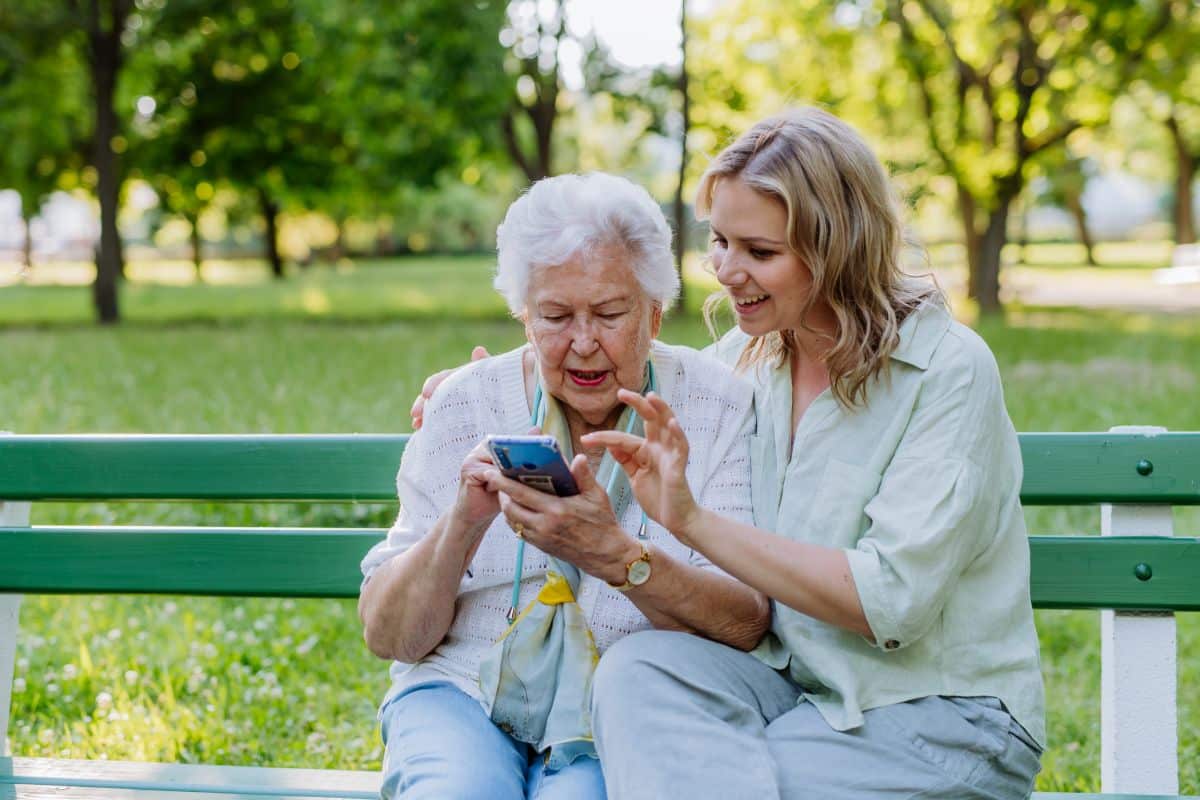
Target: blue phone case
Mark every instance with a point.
(534, 461)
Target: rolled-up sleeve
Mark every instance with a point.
(937, 506)
(928, 522)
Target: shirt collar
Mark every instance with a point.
(921, 333)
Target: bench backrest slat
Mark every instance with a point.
(1060, 468)
(1067, 571)
(233, 468)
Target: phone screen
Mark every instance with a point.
(534, 461)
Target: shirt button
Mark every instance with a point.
(890, 644)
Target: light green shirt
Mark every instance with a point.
(921, 489)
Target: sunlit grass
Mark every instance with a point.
(289, 683)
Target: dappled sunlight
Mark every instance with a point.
(314, 300)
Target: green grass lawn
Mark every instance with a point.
(278, 682)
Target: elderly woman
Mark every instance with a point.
(585, 264)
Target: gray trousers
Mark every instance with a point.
(677, 716)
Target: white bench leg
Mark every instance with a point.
(1138, 716)
(12, 515)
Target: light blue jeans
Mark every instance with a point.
(679, 716)
(440, 745)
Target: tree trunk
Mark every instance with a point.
(991, 245)
(1075, 206)
(1185, 173)
(966, 214)
(197, 253)
(270, 212)
(105, 57)
(680, 209)
(27, 212)
(339, 239)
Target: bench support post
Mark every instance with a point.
(12, 515)
(1138, 716)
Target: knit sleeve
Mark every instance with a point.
(717, 414)
(427, 481)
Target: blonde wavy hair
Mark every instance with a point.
(845, 224)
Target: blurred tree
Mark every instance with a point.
(1064, 178)
(310, 104)
(1168, 90)
(1000, 83)
(535, 33)
(43, 126)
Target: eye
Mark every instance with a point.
(717, 240)
(554, 317)
(612, 315)
(761, 255)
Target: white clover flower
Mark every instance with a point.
(114, 634)
(103, 701)
(170, 608)
(70, 671)
(131, 677)
(51, 689)
(18, 685)
(46, 736)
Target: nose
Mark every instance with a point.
(583, 337)
(728, 268)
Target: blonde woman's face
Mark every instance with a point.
(767, 282)
(591, 324)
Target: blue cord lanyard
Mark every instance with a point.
(536, 419)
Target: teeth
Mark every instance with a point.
(745, 301)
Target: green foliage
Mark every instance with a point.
(46, 118)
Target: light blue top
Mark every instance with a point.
(921, 489)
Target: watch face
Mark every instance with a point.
(639, 572)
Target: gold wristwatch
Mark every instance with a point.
(637, 571)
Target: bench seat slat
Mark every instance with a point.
(1067, 571)
(30, 778)
(1060, 468)
(168, 782)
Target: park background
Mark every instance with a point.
(278, 217)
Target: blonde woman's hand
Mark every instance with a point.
(655, 463)
(417, 412)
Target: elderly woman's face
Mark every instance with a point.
(591, 324)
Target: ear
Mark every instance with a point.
(524, 318)
(656, 315)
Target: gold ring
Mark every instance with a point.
(519, 530)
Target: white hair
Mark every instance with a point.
(569, 215)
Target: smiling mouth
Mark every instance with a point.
(746, 305)
(583, 377)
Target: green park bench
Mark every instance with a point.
(1136, 571)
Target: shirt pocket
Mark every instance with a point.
(837, 512)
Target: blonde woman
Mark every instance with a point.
(902, 659)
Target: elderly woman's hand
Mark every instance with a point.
(656, 463)
(478, 503)
(581, 529)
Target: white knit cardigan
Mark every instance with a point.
(715, 408)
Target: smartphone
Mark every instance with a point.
(534, 461)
